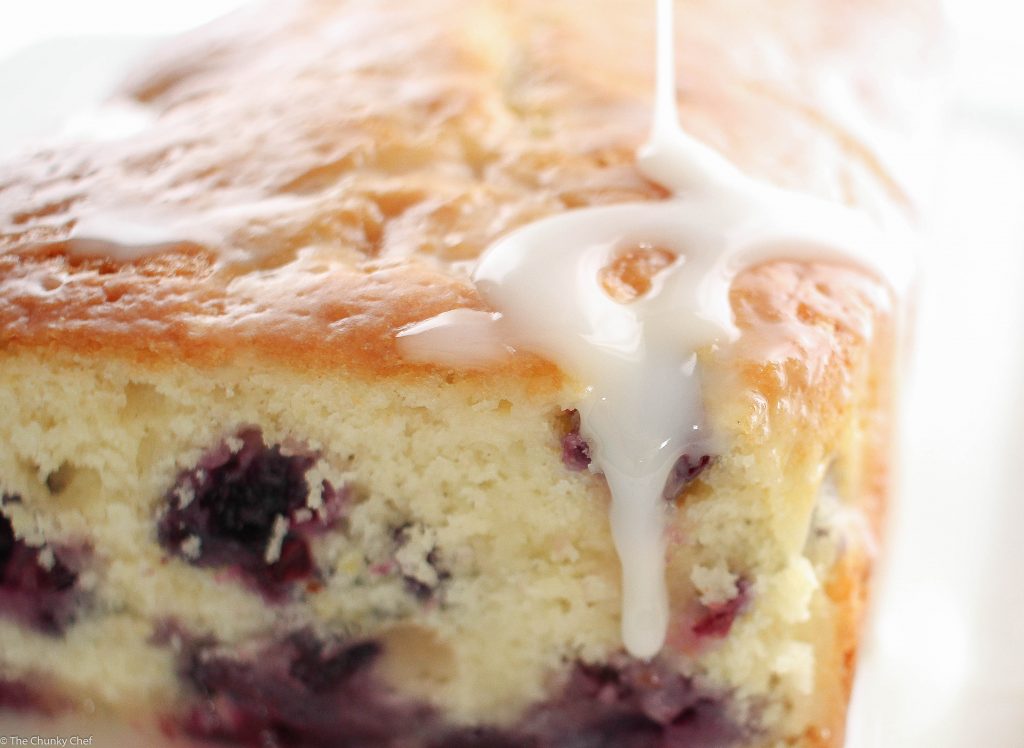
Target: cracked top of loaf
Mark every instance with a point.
(305, 178)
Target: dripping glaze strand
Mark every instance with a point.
(641, 409)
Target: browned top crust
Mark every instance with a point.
(315, 168)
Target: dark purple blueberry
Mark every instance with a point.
(335, 502)
(295, 562)
(19, 696)
(718, 619)
(16, 696)
(704, 724)
(6, 542)
(227, 511)
(684, 472)
(324, 671)
(300, 691)
(39, 594)
(631, 704)
(307, 691)
(422, 590)
(485, 737)
(238, 500)
(575, 450)
(623, 731)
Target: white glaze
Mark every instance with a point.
(127, 235)
(642, 407)
(461, 337)
(113, 120)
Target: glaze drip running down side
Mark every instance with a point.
(637, 360)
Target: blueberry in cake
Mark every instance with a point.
(239, 508)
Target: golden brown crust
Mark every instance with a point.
(330, 159)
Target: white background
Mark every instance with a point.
(944, 663)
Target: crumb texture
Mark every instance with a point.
(440, 524)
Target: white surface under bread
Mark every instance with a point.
(945, 665)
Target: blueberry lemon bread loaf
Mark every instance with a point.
(237, 509)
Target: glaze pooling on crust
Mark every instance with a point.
(125, 235)
(345, 185)
(641, 409)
